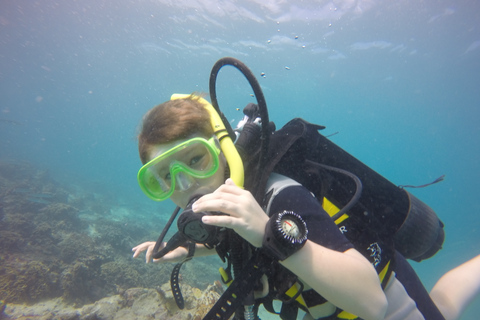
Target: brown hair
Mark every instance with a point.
(173, 120)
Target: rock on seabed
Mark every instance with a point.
(132, 304)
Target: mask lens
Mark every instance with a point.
(197, 158)
(155, 182)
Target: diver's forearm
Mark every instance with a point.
(345, 279)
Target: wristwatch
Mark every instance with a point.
(285, 234)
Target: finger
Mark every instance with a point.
(148, 255)
(224, 191)
(137, 250)
(136, 253)
(219, 221)
(230, 187)
(142, 246)
(230, 182)
(226, 207)
(219, 200)
(137, 247)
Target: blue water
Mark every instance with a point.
(399, 81)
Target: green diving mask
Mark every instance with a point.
(178, 167)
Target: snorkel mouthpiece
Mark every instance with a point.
(226, 144)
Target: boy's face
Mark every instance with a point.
(184, 163)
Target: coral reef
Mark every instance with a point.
(82, 283)
(134, 303)
(11, 241)
(62, 213)
(71, 251)
(121, 275)
(76, 246)
(27, 281)
(113, 233)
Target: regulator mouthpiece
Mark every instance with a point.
(191, 226)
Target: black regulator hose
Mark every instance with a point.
(257, 90)
(157, 254)
(357, 194)
(239, 249)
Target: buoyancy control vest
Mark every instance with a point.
(391, 213)
(380, 219)
(300, 152)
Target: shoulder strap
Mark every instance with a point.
(286, 144)
(275, 184)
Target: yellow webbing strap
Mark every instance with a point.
(346, 315)
(294, 291)
(384, 271)
(226, 277)
(332, 209)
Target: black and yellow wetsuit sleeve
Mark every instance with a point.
(321, 228)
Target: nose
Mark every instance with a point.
(184, 181)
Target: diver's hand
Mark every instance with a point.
(245, 215)
(176, 255)
(142, 247)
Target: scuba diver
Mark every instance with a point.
(281, 239)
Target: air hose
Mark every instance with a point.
(240, 251)
(257, 90)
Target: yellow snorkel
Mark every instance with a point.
(226, 144)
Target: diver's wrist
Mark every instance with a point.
(285, 234)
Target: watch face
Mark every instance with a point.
(290, 228)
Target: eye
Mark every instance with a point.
(167, 177)
(196, 160)
(163, 174)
